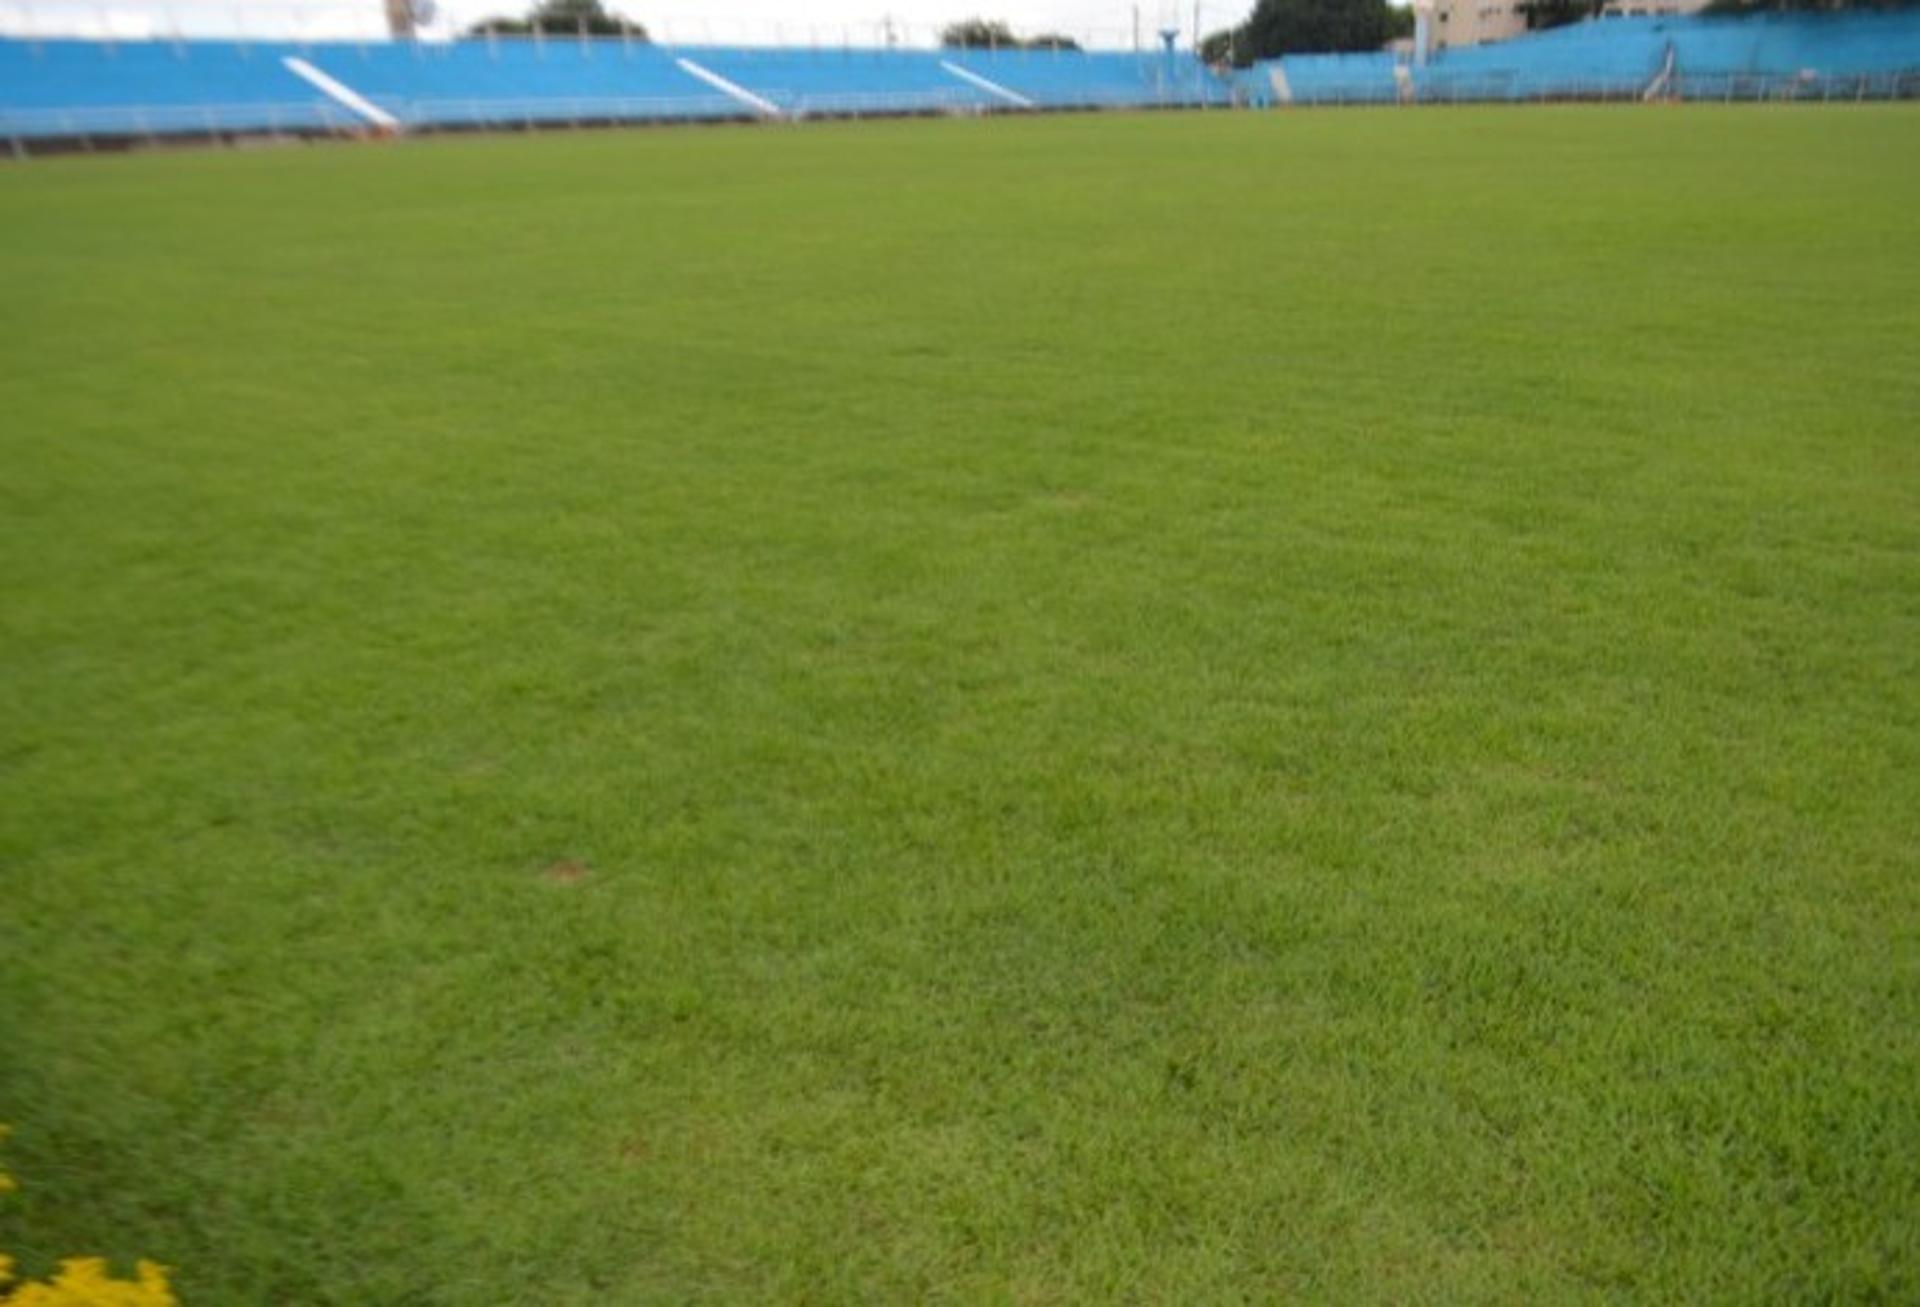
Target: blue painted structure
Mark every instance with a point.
(1072, 80)
(76, 89)
(1774, 56)
(521, 82)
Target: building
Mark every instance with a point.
(1444, 24)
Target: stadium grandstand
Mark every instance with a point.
(69, 89)
(67, 92)
(1860, 55)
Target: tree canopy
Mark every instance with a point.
(584, 17)
(993, 34)
(1278, 27)
(1220, 47)
(1542, 14)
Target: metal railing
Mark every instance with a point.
(547, 111)
(1503, 89)
(151, 122)
(858, 104)
(24, 130)
(1734, 87)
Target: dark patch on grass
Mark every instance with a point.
(568, 871)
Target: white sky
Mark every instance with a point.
(1104, 22)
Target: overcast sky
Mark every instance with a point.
(799, 21)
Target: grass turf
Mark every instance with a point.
(1181, 708)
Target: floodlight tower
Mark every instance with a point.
(1167, 14)
(1167, 73)
(1167, 28)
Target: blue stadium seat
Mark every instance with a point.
(1599, 60)
(519, 80)
(1326, 79)
(1788, 54)
(142, 88)
(73, 88)
(1778, 54)
(1072, 79)
(842, 81)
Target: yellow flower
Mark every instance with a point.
(86, 1282)
(83, 1281)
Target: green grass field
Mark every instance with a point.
(1178, 709)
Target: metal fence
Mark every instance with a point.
(547, 111)
(1729, 87)
(27, 131)
(24, 129)
(1692, 88)
(430, 115)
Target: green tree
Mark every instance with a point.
(1542, 14)
(980, 34)
(1278, 27)
(992, 34)
(564, 17)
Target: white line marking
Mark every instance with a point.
(737, 91)
(341, 92)
(991, 88)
